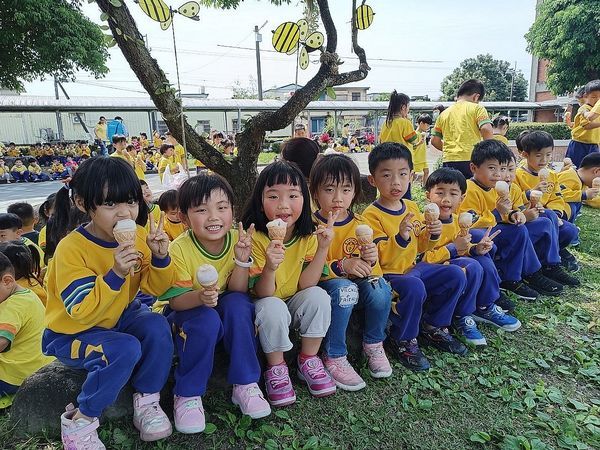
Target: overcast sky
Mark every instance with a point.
(411, 45)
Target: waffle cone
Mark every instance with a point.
(125, 237)
(431, 217)
(464, 231)
(365, 239)
(277, 233)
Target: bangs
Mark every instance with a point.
(282, 172)
(124, 188)
(198, 189)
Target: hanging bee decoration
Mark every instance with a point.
(290, 37)
(364, 17)
(158, 10)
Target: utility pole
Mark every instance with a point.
(258, 40)
(512, 81)
(59, 124)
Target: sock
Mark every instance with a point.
(303, 357)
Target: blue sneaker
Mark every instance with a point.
(495, 316)
(467, 328)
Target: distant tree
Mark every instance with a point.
(496, 75)
(566, 32)
(249, 91)
(47, 37)
(382, 97)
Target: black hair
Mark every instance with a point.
(118, 118)
(118, 138)
(101, 117)
(519, 139)
(590, 161)
(97, 180)
(130, 147)
(500, 121)
(490, 149)
(168, 200)
(218, 135)
(143, 134)
(397, 101)
(198, 189)
(580, 93)
(18, 159)
(439, 108)
(10, 221)
(536, 140)
(47, 206)
(278, 172)
(227, 143)
(302, 151)
(592, 86)
(446, 175)
(5, 265)
(335, 169)
(425, 118)
(471, 87)
(24, 210)
(143, 183)
(25, 260)
(387, 151)
(164, 147)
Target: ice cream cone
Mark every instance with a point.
(544, 174)
(277, 229)
(596, 183)
(503, 189)
(207, 276)
(431, 212)
(364, 234)
(465, 222)
(534, 197)
(567, 162)
(124, 233)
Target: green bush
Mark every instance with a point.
(558, 130)
(276, 147)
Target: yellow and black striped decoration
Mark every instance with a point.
(364, 17)
(156, 9)
(286, 37)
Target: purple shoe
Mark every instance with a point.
(279, 386)
(312, 372)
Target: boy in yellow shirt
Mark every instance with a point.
(11, 229)
(167, 160)
(167, 202)
(585, 135)
(57, 170)
(4, 173)
(19, 171)
(577, 185)
(36, 173)
(21, 328)
(461, 126)
(419, 152)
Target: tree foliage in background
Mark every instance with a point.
(249, 91)
(567, 33)
(45, 37)
(495, 74)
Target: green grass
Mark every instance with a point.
(533, 389)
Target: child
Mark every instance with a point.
(301, 151)
(153, 208)
(167, 202)
(119, 145)
(577, 184)
(400, 234)
(93, 323)
(21, 326)
(515, 257)
(537, 149)
(139, 165)
(28, 218)
(71, 166)
(419, 152)
(36, 173)
(19, 171)
(205, 315)
(167, 160)
(585, 135)
(144, 141)
(57, 170)
(284, 277)
(4, 173)
(44, 213)
(447, 188)
(27, 266)
(461, 126)
(500, 127)
(397, 127)
(11, 229)
(355, 279)
(574, 107)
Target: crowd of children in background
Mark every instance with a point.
(496, 227)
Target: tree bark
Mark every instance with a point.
(241, 172)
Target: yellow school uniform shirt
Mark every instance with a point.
(19, 169)
(22, 323)
(593, 203)
(499, 137)
(84, 292)
(517, 197)
(173, 229)
(299, 251)
(400, 130)
(552, 198)
(57, 168)
(139, 166)
(179, 153)
(34, 286)
(14, 152)
(126, 156)
(156, 141)
(344, 244)
(458, 126)
(481, 202)
(42, 238)
(188, 254)
(163, 163)
(578, 133)
(445, 249)
(29, 243)
(571, 186)
(397, 256)
(153, 213)
(35, 170)
(419, 156)
(4, 170)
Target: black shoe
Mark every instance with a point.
(543, 285)
(520, 289)
(505, 303)
(568, 261)
(408, 353)
(441, 339)
(557, 273)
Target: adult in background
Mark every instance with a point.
(303, 152)
(100, 135)
(116, 126)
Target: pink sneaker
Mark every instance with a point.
(279, 386)
(251, 401)
(149, 418)
(316, 377)
(79, 434)
(343, 374)
(379, 366)
(188, 413)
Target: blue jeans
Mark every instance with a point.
(376, 299)
(7, 389)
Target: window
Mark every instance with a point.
(356, 96)
(75, 118)
(202, 126)
(235, 126)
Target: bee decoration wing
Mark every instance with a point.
(155, 9)
(166, 24)
(286, 37)
(303, 25)
(314, 41)
(303, 58)
(189, 9)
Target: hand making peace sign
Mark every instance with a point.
(325, 233)
(243, 247)
(487, 242)
(157, 239)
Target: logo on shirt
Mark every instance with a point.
(550, 187)
(418, 227)
(350, 247)
(138, 264)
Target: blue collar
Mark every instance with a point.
(86, 234)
